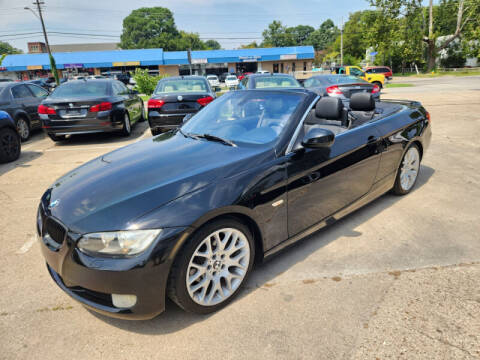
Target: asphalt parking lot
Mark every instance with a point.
(399, 278)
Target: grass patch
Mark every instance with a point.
(399, 85)
(440, 73)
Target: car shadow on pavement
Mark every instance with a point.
(138, 130)
(22, 161)
(175, 319)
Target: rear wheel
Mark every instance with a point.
(9, 145)
(127, 126)
(408, 172)
(23, 128)
(57, 137)
(209, 271)
(142, 116)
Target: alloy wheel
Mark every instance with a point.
(409, 169)
(218, 266)
(127, 124)
(22, 128)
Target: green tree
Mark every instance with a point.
(252, 45)
(324, 36)
(189, 40)
(276, 35)
(300, 33)
(6, 48)
(149, 28)
(213, 45)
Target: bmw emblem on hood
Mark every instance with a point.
(54, 203)
(179, 97)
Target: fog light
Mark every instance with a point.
(123, 301)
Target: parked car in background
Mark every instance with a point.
(9, 139)
(90, 106)
(385, 70)
(378, 79)
(262, 81)
(46, 83)
(263, 72)
(21, 101)
(186, 214)
(231, 81)
(213, 80)
(91, 77)
(176, 97)
(342, 86)
(223, 76)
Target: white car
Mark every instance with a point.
(213, 80)
(231, 81)
(263, 72)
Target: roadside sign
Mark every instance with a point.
(373, 53)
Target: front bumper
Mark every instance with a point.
(92, 280)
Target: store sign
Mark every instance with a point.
(288, 57)
(199, 61)
(252, 58)
(126, 63)
(73, 66)
(34, 67)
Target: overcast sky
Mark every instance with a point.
(212, 19)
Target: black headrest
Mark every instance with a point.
(362, 102)
(329, 108)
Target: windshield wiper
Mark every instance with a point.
(192, 136)
(216, 138)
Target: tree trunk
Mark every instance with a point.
(431, 55)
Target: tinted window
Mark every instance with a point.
(275, 82)
(20, 92)
(38, 91)
(312, 82)
(119, 88)
(231, 78)
(81, 89)
(342, 79)
(179, 85)
(245, 116)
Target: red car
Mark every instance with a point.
(244, 74)
(385, 70)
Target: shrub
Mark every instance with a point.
(146, 83)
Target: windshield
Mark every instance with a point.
(81, 89)
(275, 82)
(180, 85)
(254, 117)
(231, 78)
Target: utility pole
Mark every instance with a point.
(53, 66)
(341, 44)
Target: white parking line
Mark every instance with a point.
(84, 148)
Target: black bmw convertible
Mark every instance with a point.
(187, 213)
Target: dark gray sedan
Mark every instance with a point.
(90, 106)
(341, 86)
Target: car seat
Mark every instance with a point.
(362, 108)
(328, 111)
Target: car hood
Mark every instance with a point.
(109, 192)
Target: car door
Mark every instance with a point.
(25, 100)
(39, 94)
(323, 181)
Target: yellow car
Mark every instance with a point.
(378, 79)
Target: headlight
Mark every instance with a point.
(117, 242)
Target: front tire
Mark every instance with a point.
(9, 145)
(142, 116)
(211, 268)
(408, 171)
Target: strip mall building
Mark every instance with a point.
(275, 60)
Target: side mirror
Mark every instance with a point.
(187, 117)
(318, 138)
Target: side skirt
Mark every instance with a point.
(378, 189)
